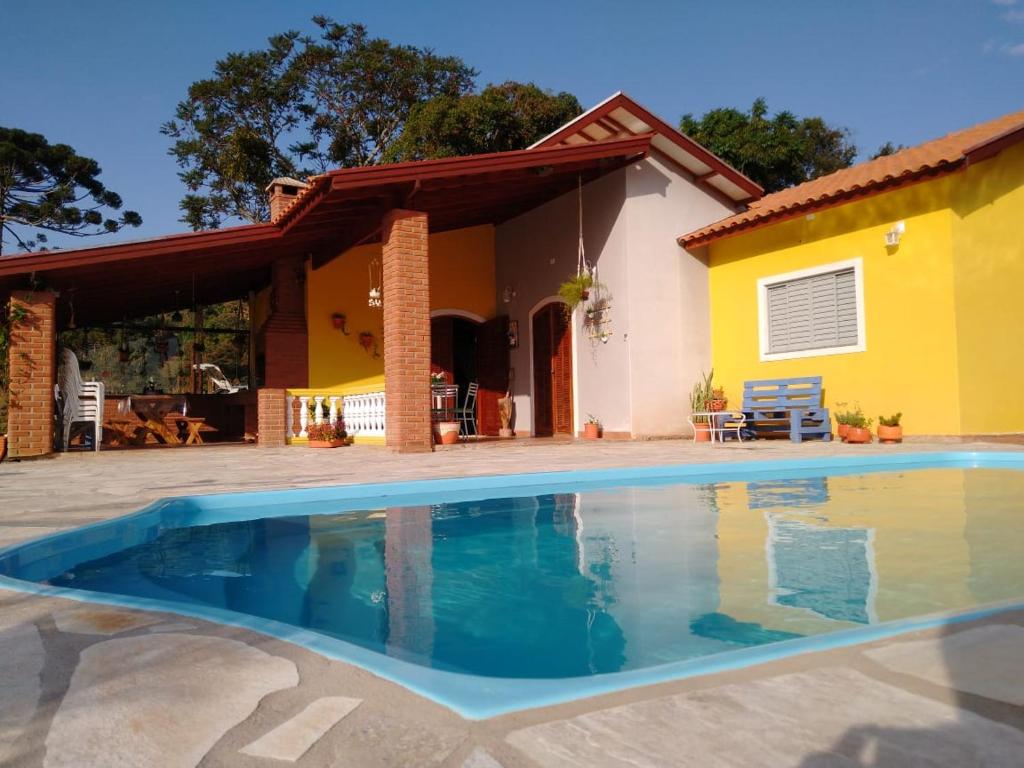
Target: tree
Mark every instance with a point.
(498, 119)
(776, 152)
(888, 149)
(301, 106)
(50, 187)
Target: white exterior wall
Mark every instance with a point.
(670, 315)
(637, 382)
(535, 253)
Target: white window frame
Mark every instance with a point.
(762, 310)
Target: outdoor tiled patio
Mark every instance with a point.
(84, 685)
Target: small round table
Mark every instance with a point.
(719, 422)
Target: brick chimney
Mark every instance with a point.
(283, 190)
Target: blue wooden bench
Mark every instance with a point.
(778, 406)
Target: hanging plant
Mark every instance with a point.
(576, 290)
(376, 294)
(366, 340)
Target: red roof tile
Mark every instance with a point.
(932, 158)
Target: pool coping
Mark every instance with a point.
(476, 697)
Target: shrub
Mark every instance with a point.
(326, 432)
(892, 421)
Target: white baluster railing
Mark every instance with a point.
(363, 415)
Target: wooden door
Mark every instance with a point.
(442, 347)
(492, 372)
(552, 372)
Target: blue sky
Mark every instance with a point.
(103, 75)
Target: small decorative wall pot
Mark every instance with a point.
(890, 434)
(858, 435)
(338, 321)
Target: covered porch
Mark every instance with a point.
(420, 225)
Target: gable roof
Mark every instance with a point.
(950, 153)
(619, 116)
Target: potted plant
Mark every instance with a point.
(718, 399)
(592, 429)
(338, 320)
(576, 290)
(326, 435)
(842, 421)
(859, 427)
(700, 400)
(889, 429)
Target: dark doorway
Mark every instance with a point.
(465, 352)
(552, 372)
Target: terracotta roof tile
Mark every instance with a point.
(937, 156)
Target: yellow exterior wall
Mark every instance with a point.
(988, 264)
(910, 363)
(461, 277)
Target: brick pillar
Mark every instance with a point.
(286, 340)
(32, 374)
(271, 418)
(406, 331)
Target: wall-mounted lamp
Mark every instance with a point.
(892, 237)
(508, 294)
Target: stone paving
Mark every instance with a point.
(86, 685)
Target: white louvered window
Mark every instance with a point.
(813, 312)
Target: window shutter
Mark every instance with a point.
(813, 312)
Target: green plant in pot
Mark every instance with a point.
(592, 428)
(576, 290)
(889, 429)
(859, 427)
(701, 395)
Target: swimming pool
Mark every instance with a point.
(500, 593)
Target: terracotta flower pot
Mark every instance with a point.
(890, 434)
(702, 432)
(591, 431)
(585, 294)
(718, 404)
(338, 322)
(449, 431)
(843, 430)
(858, 435)
(327, 443)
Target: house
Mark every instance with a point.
(366, 280)
(898, 280)
(895, 280)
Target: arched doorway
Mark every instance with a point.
(551, 332)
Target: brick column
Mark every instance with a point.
(286, 340)
(32, 374)
(271, 418)
(406, 331)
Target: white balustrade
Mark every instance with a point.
(362, 415)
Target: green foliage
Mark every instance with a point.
(887, 149)
(326, 431)
(592, 419)
(776, 152)
(703, 393)
(10, 315)
(500, 118)
(51, 188)
(891, 421)
(300, 106)
(573, 290)
(852, 418)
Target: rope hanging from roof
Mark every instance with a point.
(582, 268)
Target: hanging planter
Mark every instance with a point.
(338, 321)
(576, 290)
(376, 294)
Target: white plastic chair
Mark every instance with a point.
(80, 402)
(220, 382)
(467, 413)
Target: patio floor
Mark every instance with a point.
(85, 685)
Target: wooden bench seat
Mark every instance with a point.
(776, 407)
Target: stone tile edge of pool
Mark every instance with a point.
(476, 697)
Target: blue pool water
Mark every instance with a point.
(499, 593)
